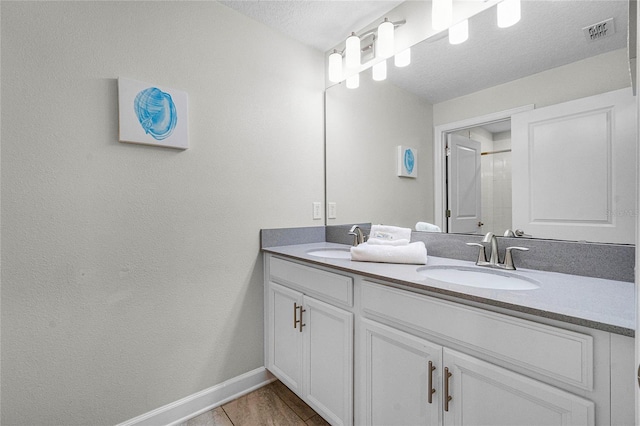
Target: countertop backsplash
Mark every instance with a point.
(598, 260)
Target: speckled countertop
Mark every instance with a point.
(592, 302)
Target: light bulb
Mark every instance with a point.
(335, 67)
(459, 33)
(379, 71)
(385, 43)
(352, 52)
(403, 58)
(441, 14)
(353, 81)
(508, 13)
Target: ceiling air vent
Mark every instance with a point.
(600, 30)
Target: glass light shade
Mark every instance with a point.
(353, 82)
(385, 43)
(403, 58)
(441, 14)
(335, 67)
(459, 33)
(379, 71)
(508, 13)
(352, 52)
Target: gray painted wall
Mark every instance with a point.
(364, 128)
(131, 275)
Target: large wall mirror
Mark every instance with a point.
(480, 91)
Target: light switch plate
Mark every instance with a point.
(317, 210)
(331, 210)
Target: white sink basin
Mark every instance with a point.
(331, 253)
(479, 277)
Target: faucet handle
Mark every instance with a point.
(482, 254)
(508, 258)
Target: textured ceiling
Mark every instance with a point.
(548, 35)
(317, 23)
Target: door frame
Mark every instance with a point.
(439, 154)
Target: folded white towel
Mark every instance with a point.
(414, 253)
(427, 227)
(385, 232)
(381, 242)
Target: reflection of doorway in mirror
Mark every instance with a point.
(495, 175)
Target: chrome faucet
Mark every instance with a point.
(358, 236)
(494, 258)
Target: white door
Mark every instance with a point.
(574, 171)
(399, 370)
(485, 394)
(464, 185)
(285, 341)
(328, 360)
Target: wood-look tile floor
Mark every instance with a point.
(273, 404)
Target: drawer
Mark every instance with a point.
(559, 354)
(314, 282)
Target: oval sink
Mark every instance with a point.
(477, 277)
(331, 253)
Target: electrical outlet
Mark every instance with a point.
(317, 210)
(331, 213)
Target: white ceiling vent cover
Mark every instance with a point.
(599, 30)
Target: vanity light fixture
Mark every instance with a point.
(403, 58)
(441, 14)
(376, 43)
(385, 44)
(352, 51)
(459, 33)
(508, 13)
(335, 66)
(353, 81)
(379, 70)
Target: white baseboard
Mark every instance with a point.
(200, 402)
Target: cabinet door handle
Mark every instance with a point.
(431, 389)
(295, 315)
(447, 397)
(300, 320)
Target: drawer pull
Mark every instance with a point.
(431, 389)
(447, 397)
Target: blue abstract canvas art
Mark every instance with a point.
(156, 112)
(407, 162)
(152, 115)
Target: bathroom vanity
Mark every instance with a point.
(382, 344)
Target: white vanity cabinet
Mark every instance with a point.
(369, 351)
(309, 341)
(407, 380)
(427, 361)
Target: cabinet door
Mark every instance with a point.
(485, 394)
(398, 369)
(328, 360)
(285, 341)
